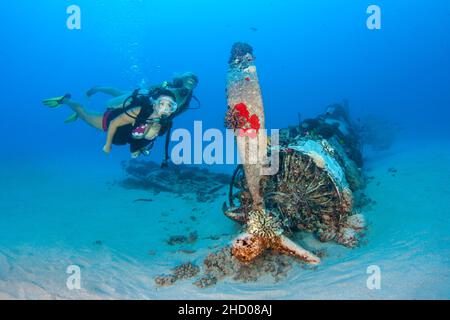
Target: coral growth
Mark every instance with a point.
(239, 118)
(239, 51)
(247, 248)
(224, 264)
(310, 190)
(182, 272)
(303, 195)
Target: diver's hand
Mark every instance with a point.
(135, 155)
(91, 91)
(107, 148)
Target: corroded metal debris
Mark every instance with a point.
(314, 189)
(245, 115)
(181, 180)
(185, 271)
(223, 264)
(316, 185)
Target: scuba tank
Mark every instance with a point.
(182, 93)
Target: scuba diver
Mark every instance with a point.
(137, 123)
(137, 118)
(182, 86)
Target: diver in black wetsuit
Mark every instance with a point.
(137, 123)
(182, 87)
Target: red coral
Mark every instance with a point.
(243, 111)
(254, 122)
(239, 118)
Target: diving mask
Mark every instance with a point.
(165, 105)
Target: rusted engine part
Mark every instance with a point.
(334, 122)
(336, 129)
(309, 193)
(245, 114)
(205, 185)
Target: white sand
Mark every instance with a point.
(52, 213)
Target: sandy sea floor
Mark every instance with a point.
(54, 215)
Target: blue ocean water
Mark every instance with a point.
(54, 197)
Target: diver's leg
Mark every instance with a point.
(118, 101)
(92, 118)
(115, 92)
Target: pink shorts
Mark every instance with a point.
(105, 122)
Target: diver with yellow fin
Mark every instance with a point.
(137, 118)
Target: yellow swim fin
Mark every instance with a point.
(71, 118)
(55, 102)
